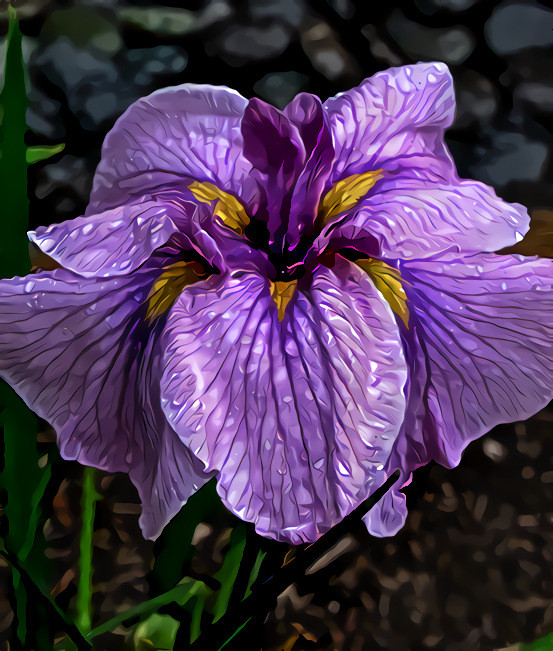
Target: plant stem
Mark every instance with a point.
(89, 498)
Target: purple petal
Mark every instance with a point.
(307, 112)
(291, 152)
(77, 351)
(408, 217)
(118, 241)
(175, 134)
(485, 325)
(297, 417)
(394, 120)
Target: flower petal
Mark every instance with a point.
(118, 241)
(409, 217)
(184, 132)
(485, 326)
(291, 152)
(394, 120)
(79, 354)
(297, 417)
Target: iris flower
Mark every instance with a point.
(296, 302)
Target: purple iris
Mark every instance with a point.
(297, 302)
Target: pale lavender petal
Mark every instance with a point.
(180, 133)
(484, 326)
(409, 217)
(388, 515)
(297, 417)
(119, 240)
(79, 353)
(394, 120)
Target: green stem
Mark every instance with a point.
(89, 498)
(181, 594)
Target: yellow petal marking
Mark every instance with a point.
(282, 293)
(345, 194)
(169, 285)
(228, 210)
(389, 283)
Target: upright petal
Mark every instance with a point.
(394, 120)
(410, 217)
(297, 417)
(78, 352)
(175, 134)
(291, 153)
(484, 327)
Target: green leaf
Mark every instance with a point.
(229, 571)
(543, 644)
(181, 594)
(196, 616)
(254, 573)
(42, 152)
(227, 641)
(157, 632)
(14, 257)
(173, 549)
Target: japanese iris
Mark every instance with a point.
(297, 302)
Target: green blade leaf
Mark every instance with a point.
(157, 632)
(173, 549)
(42, 152)
(185, 591)
(254, 573)
(229, 571)
(543, 644)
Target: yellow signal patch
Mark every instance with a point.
(169, 285)
(282, 293)
(346, 194)
(228, 210)
(389, 283)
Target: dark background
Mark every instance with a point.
(473, 567)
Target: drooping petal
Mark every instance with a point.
(484, 326)
(409, 217)
(79, 353)
(394, 121)
(118, 241)
(188, 132)
(296, 416)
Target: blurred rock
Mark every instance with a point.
(43, 116)
(451, 45)
(98, 86)
(145, 64)
(290, 12)
(173, 21)
(379, 49)
(344, 8)
(511, 156)
(84, 28)
(539, 96)
(430, 7)
(326, 54)
(279, 88)
(243, 43)
(515, 27)
(477, 100)
(26, 8)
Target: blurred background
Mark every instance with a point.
(473, 568)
